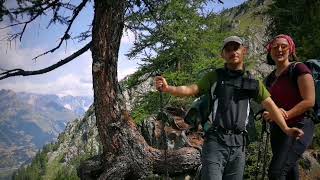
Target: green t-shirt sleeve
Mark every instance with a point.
(263, 93)
(205, 83)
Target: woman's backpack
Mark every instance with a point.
(314, 66)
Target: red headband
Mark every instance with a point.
(292, 49)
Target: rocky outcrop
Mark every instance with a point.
(248, 19)
(80, 138)
(309, 165)
(132, 95)
(176, 131)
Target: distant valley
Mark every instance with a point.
(28, 121)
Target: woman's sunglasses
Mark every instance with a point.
(284, 47)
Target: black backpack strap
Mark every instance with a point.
(249, 75)
(293, 76)
(291, 71)
(268, 80)
(213, 97)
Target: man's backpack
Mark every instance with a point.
(200, 111)
(314, 66)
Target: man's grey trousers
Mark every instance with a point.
(221, 162)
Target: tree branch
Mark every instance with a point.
(26, 9)
(66, 33)
(21, 72)
(149, 7)
(32, 17)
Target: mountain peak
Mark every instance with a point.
(7, 91)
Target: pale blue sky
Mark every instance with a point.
(75, 77)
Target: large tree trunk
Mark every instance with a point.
(106, 35)
(125, 152)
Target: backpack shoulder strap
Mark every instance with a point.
(249, 75)
(213, 105)
(292, 67)
(219, 74)
(268, 79)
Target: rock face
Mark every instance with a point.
(79, 138)
(176, 131)
(310, 165)
(248, 18)
(79, 141)
(130, 96)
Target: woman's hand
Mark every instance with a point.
(284, 113)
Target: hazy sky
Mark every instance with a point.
(73, 78)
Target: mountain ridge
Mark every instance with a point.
(29, 120)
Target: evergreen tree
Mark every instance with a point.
(186, 38)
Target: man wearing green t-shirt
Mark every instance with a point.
(223, 155)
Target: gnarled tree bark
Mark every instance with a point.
(126, 155)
